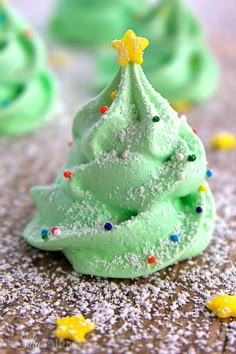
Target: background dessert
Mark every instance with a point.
(164, 312)
(92, 22)
(27, 89)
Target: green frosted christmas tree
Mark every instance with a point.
(132, 196)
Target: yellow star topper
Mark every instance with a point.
(130, 48)
(74, 328)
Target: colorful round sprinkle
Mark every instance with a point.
(69, 144)
(209, 173)
(181, 176)
(27, 33)
(2, 17)
(108, 226)
(44, 234)
(151, 260)
(192, 157)
(126, 154)
(56, 231)
(5, 103)
(174, 237)
(156, 119)
(202, 188)
(199, 209)
(67, 174)
(103, 109)
(179, 156)
(113, 95)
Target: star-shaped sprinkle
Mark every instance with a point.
(223, 305)
(74, 328)
(130, 48)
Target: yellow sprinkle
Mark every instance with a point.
(113, 95)
(202, 188)
(130, 48)
(59, 59)
(181, 106)
(223, 305)
(74, 328)
(223, 141)
(28, 33)
(163, 11)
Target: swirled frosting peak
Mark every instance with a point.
(27, 90)
(131, 198)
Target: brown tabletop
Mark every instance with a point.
(163, 313)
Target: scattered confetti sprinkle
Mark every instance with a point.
(223, 305)
(174, 237)
(103, 109)
(108, 226)
(126, 154)
(199, 209)
(192, 157)
(152, 260)
(181, 176)
(179, 156)
(113, 95)
(202, 188)
(44, 234)
(67, 174)
(156, 119)
(56, 231)
(223, 141)
(74, 328)
(5, 103)
(28, 33)
(59, 59)
(181, 106)
(209, 173)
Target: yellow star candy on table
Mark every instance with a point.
(223, 305)
(130, 48)
(74, 328)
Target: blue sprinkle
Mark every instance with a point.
(44, 232)
(209, 173)
(5, 103)
(199, 209)
(174, 237)
(107, 226)
(2, 17)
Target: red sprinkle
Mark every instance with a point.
(194, 130)
(151, 260)
(54, 229)
(103, 109)
(69, 143)
(67, 174)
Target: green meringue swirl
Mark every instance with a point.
(126, 171)
(178, 62)
(27, 90)
(92, 22)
